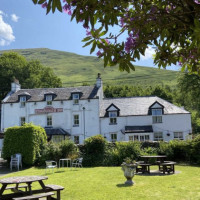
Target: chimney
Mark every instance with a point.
(99, 81)
(15, 86)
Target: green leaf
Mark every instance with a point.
(86, 39)
(93, 47)
(49, 6)
(54, 6)
(41, 1)
(88, 43)
(35, 1)
(59, 6)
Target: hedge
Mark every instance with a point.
(28, 140)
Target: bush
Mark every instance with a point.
(29, 140)
(56, 151)
(128, 149)
(195, 150)
(94, 151)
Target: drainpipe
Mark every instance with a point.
(84, 123)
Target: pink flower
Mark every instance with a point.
(44, 5)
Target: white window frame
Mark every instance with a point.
(75, 98)
(76, 120)
(113, 117)
(156, 115)
(113, 137)
(76, 139)
(158, 136)
(49, 120)
(49, 99)
(22, 100)
(179, 135)
(22, 120)
(139, 137)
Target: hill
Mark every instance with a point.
(75, 69)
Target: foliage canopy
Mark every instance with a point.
(31, 74)
(172, 27)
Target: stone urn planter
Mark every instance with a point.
(129, 172)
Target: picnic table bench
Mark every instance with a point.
(143, 167)
(35, 196)
(167, 166)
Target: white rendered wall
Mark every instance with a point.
(171, 123)
(13, 112)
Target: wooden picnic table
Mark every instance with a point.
(159, 158)
(19, 180)
(145, 166)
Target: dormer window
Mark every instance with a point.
(156, 110)
(113, 117)
(49, 99)
(22, 100)
(75, 98)
(157, 116)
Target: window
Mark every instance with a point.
(158, 136)
(113, 137)
(157, 116)
(76, 120)
(76, 140)
(22, 101)
(49, 99)
(49, 120)
(75, 98)
(22, 120)
(57, 138)
(130, 138)
(113, 117)
(139, 138)
(178, 135)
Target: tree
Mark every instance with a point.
(172, 27)
(31, 74)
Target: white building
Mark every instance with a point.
(82, 112)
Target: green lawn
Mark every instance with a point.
(108, 183)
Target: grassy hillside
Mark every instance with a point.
(75, 69)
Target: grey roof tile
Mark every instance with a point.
(131, 106)
(88, 92)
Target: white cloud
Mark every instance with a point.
(14, 18)
(148, 54)
(6, 32)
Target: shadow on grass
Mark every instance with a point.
(123, 185)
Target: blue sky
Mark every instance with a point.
(25, 25)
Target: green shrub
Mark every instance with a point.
(29, 140)
(195, 150)
(128, 149)
(94, 151)
(56, 151)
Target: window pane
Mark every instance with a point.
(76, 139)
(136, 138)
(49, 120)
(57, 138)
(113, 120)
(76, 119)
(157, 119)
(130, 138)
(113, 137)
(156, 111)
(113, 114)
(158, 136)
(22, 120)
(178, 135)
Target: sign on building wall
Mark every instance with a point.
(48, 109)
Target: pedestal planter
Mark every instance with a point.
(129, 172)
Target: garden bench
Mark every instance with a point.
(143, 167)
(35, 196)
(56, 188)
(167, 167)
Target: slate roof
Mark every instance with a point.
(138, 129)
(56, 131)
(88, 92)
(133, 106)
